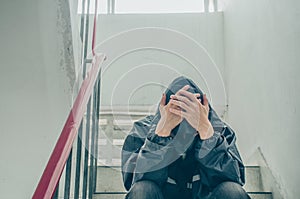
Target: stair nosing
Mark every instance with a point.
(116, 192)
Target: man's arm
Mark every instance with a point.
(148, 158)
(215, 149)
(143, 156)
(219, 158)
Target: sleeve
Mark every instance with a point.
(142, 158)
(219, 158)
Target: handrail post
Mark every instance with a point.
(87, 131)
(97, 129)
(92, 149)
(78, 162)
(68, 176)
(86, 150)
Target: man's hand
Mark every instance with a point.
(193, 111)
(168, 120)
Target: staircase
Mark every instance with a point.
(114, 128)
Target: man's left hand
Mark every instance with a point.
(193, 111)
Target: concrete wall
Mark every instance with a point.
(181, 44)
(36, 75)
(262, 47)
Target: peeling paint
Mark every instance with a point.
(64, 29)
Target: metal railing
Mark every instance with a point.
(72, 168)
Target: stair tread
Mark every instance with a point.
(109, 179)
(122, 196)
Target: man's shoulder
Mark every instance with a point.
(141, 127)
(136, 137)
(145, 121)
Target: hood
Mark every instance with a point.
(173, 88)
(183, 135)
(180, 82)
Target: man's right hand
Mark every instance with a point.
(168, 120)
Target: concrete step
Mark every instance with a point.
(110, 155)
(114, 129)
(253, 179)
(122, 196)
(109, 179)
(108, 196)
(260, 195)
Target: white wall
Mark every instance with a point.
(35, 82)
(262, 48)
(131, 78)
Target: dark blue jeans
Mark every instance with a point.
(150, 190)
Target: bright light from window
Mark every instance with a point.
(145, 6)
(152, 6)
(158, 6)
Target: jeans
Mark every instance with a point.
(150, 190)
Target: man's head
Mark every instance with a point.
(180, 82)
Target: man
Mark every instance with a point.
(183, 151)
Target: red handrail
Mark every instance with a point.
(51, 175)
(59, 156)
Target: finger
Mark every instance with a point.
(180, 104)
(178, 112)
(176, 107)
(197, 95)
(163, 100)
(181, 98)
(205, 102)
(187, 94)
(186, 87)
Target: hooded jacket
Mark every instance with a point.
(182, 155)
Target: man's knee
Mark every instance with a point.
(144, 190)
(229, 190)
